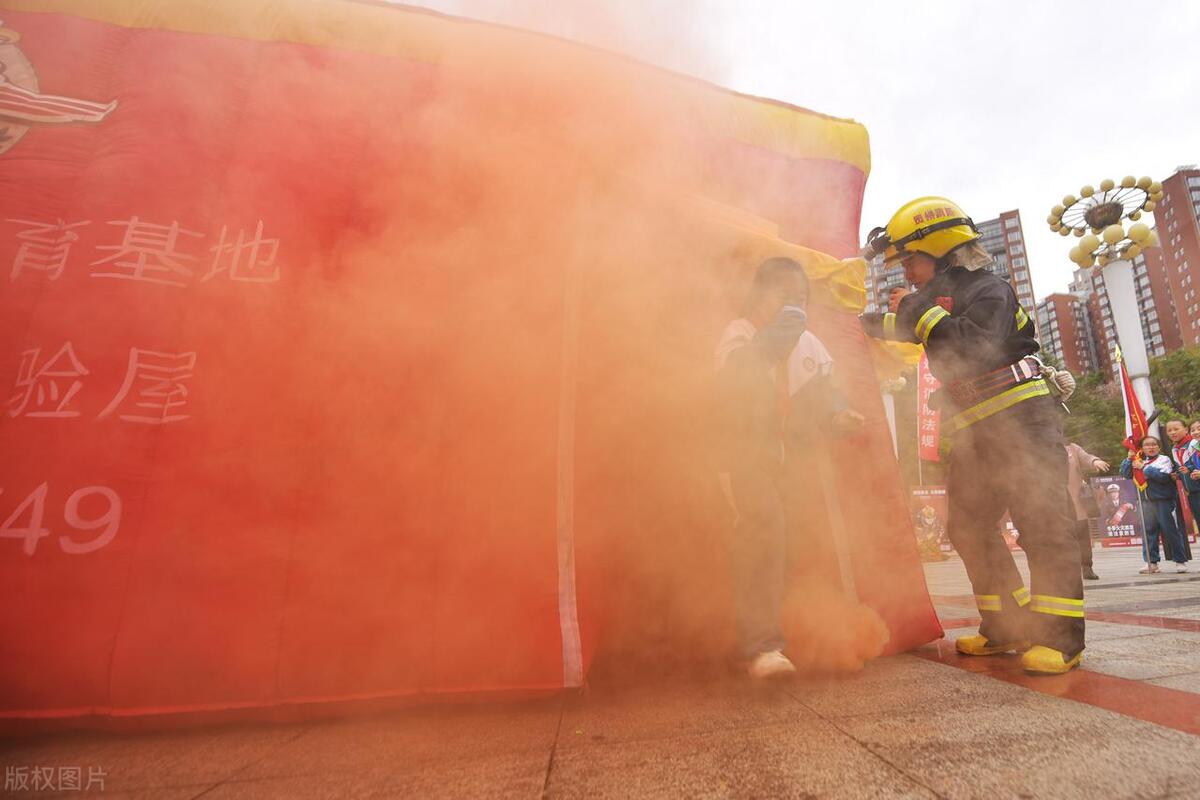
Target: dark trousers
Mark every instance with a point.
(1011, 461)
(1160, 523)
(758, 555)
(1083, 535)
(1193, 501)
(1194, 505)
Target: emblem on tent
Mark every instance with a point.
(23, 106)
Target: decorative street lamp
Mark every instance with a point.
(1097, 217)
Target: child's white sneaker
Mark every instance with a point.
(772, 664)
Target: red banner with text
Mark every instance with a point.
(929, 420)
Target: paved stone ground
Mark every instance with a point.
(926, 725)
(1138, 648)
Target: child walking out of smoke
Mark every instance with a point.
(773, 375)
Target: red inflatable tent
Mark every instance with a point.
(357, 353)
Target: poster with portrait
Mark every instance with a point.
(1120, 523)
(929, 514)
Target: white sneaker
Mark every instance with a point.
(1149, 569)
(772, 664)
(1180, 567)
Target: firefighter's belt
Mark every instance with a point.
(968, 392)
(1004, 399)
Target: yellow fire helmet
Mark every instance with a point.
(930, 225)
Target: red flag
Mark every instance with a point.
(928, 419)
(1135, 421)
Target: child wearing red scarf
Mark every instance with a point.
(1187, 464)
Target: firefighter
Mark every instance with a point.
(1005, 424)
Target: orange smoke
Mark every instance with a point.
(569, 187)
(504, 281)
(828, 632)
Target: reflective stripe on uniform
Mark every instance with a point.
(987, 602)
(1021, 317)
(930, 318)
(1058, 606)
(889, 326)
(993, 405)
(1021, 596)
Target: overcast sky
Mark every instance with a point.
(997, 105)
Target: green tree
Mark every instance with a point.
(1175, 379)
(1097, 419)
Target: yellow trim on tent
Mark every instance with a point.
(428, 36)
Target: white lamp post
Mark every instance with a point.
(1097, 218)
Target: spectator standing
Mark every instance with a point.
(1081, 463)
(1183, 457)
(1159, 501)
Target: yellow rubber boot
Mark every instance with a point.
(978, 645)
(1040, 660)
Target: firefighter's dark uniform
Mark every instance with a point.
(1006, 454)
